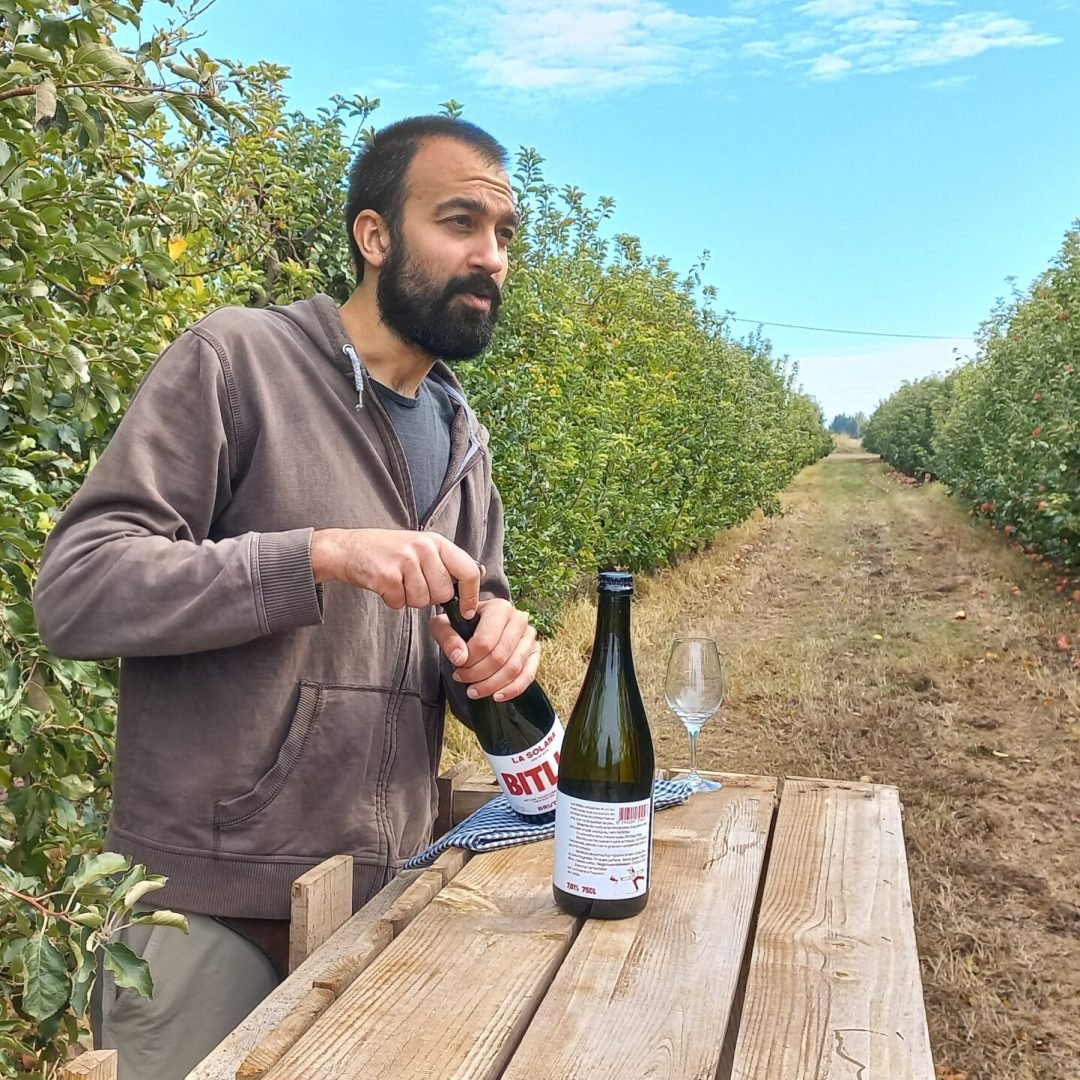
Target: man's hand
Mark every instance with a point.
(501, 658)
(407, 569)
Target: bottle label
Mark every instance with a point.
(602, 849)
(529, 779)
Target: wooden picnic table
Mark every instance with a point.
(777, 944)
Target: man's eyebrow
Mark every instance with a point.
(463, 202)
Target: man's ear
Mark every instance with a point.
(372, 237)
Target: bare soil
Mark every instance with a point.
(875, 630)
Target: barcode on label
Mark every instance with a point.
(633, 813)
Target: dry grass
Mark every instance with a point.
(846, 658)
(845, 444)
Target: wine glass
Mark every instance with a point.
(694, 690)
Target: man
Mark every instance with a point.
(289, 493)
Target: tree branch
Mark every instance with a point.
(26, 91)
(34, 902)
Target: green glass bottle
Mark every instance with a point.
(604, 812)
(521, 738)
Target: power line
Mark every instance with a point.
(860, 333)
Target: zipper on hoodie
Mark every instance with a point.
(359, 376)
(462, 473)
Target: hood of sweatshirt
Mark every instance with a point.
(320, 319)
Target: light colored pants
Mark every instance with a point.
(205, 983)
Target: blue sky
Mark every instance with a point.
(878, 165)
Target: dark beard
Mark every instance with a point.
(424, 313)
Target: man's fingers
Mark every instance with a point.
(405, 568)
(465, 571)
(522, 682)
(504, 664)
(455, 650)
(495, 619)
(514, 676)
(440, 583)
(415, 581)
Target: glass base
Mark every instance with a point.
(699, 783)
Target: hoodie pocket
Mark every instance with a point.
(325, 791)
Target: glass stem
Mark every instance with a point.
(693, 749)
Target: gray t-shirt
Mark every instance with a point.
(423, 425)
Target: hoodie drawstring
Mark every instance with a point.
(358, 374)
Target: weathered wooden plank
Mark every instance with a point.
(451, 862)
(834, 989)
(453, 994)
(274, 1046)
(363, 933)
(93, 1065)
(447, 784)
(423, 889)
(339, 975)
(322, 899)
(650, 996)
(413, 900)
(474, 793)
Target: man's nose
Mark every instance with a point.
(486, 254)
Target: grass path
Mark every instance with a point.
(874, 630)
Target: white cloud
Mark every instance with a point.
(830, 67)
(837, 9)
(591, 45)
(876, 37)
(600, 46)
(969, 35)
(953, 82)
(768, 50)
(389, 86)
(882, 26)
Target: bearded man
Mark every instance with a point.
(289, 494)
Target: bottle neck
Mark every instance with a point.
(464, 628)
(612, 642)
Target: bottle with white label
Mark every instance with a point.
(521, 738)
(604, 813)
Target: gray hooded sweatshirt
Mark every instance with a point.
(264, 722)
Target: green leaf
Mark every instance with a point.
(104, 58)
(130, 971)
(27, 50)
(45, 984)
(14, 949)
(185, 71)
(140, 889)
(13, 680)
(96, 867)
(17, 478)
(159, 264)
(185, 108)
(140, 108)
(79, 364)
(82, 984)
(54, 33)
(93, 919)
(74, 787)
(163, 917)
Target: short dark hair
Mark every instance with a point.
(377, 176)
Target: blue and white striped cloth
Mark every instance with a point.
(495, 825)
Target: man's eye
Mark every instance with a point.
(461, 219)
